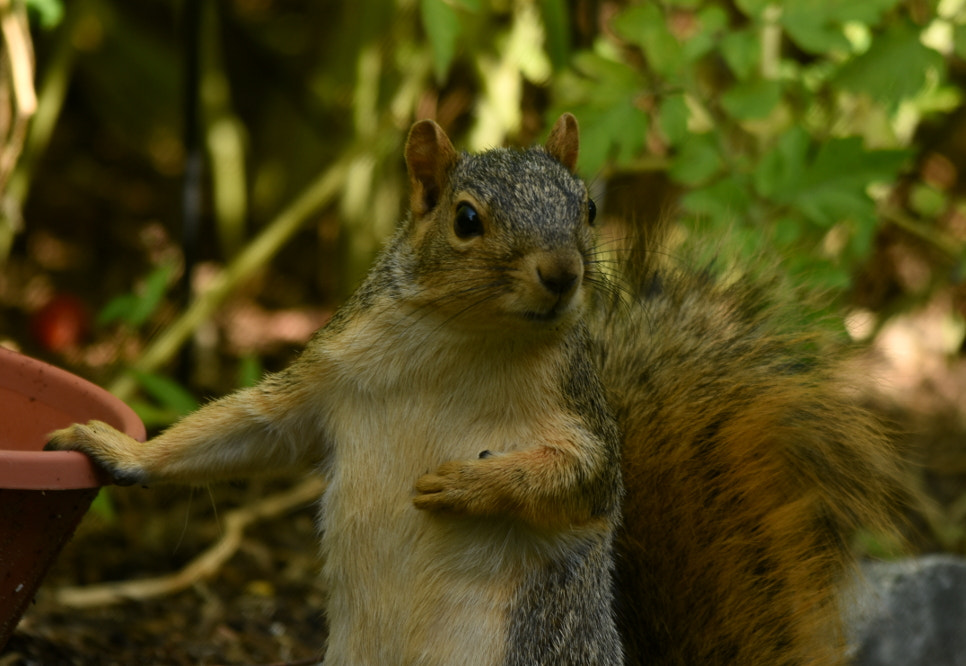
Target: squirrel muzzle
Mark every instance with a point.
(551, 282)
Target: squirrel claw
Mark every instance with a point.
(93, 440)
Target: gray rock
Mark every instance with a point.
(910, 613)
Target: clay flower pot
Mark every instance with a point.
(43, 494)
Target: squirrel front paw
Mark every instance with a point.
(539, 486)
(464, 487)
(107, 447)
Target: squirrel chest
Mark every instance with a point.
(435, 588)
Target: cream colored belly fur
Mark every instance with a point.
(406, 586)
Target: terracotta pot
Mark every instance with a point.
(43, 494)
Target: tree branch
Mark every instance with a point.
(204, 565)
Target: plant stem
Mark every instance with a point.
(934, 237)
(49, 102)
(256, 254)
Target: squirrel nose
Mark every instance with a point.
(559, 274)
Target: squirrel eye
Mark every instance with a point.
(591, 211)
(467, 223)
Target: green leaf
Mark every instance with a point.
(814, 35)
(787, 231)
(117, 309)
(847, 162)
(673, 118)
(713, 19)
(817, 25)
(250, 371)
(556, 22)
(829, 277)
(710, 21)
(752, 99)
(741, 49)
(828, 184)
(442, 27)
(169, 393)
(895, 67)
(48, 13)
(155, 287)
(646, 26)
(603, 94)
(617, 132)
(780, 169)
(959, 40)
(863, 236)
(603, 81)
(723, 202)
(697, 160)
(927, 201)
(103, 506)
(753, 8)
(153, 416)
(136, 308)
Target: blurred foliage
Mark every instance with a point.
(809, 130)
(135, 308)
(787, 123)
(167, 400)
(46, 13)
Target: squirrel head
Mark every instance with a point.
(500, 238)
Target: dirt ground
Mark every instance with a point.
(263, 606)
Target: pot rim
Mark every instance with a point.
(58, 470)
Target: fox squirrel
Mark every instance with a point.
(475, 405)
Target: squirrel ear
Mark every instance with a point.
(429, 157)
(564, 141)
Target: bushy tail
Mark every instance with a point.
(749, 469)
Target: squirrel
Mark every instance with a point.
(532, 459)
